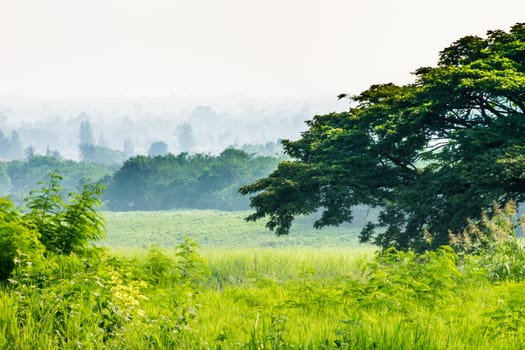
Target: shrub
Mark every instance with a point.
(19, 241)
(66, 227)
(191, 268)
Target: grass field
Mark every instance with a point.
(216, 229)
(263, 298)
(247, 289)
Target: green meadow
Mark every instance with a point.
(209, 280)
(216, 229)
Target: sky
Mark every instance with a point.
(148, 48)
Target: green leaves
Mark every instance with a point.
(19, 241)
(198, 181)
(66, 227)
(50, 224)
(431, 154)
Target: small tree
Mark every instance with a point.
(29, 152)
(129, 148)
(184, 134)
(4, 146)
(5, 181)
(16, 150)
(66, 227)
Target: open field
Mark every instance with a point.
(212, 228)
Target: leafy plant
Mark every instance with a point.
(190, 267)
(66, 227)
(404, 281)
(271, 335)
(506, 318)
(19, 241)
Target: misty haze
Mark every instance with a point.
(114, 142)
(193, 125)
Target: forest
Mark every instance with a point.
(162, 182)
(105, 256)
(197, 181)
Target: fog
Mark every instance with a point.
(64, 53)
(185, 124)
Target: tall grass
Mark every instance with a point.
(290, 298)
(255, 295)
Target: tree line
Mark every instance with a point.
(18, 177)
(198, 181)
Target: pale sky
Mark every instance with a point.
(139, 48)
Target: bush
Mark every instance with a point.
(66, 227)
(19, 241)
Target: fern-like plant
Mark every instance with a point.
(66, 227)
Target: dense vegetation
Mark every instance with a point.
(198, 181)
(430, 154)
(70, 296)
(18, 177)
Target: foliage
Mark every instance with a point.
(50, 225)
(430, 154)
(19, 241)
(86, 133)
(398, 279)
(5, 182)
(129, 147)
(22, 176)
(185, 138)
(190, 268)
(80, 300)
(65, 227)
(158, 266)
(98, 154)
(267, 149)
(158, 148)
(197, 181)
(254, 298)
(11, 147)
(266, 299)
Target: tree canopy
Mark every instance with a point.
(430, 154)
(197, 181)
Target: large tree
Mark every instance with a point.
(430, 154)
